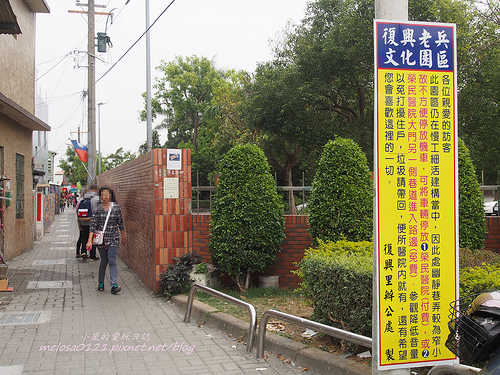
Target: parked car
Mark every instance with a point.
(491, 208)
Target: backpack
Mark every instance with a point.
(84, 209)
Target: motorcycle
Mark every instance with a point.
(474, 324)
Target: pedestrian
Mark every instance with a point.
(109, 247)
(62, 202)
(84, 215)
(83, 227)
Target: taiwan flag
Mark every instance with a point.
(81, 151)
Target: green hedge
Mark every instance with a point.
(472, 223)
(337, 279)
(482, 279)
(341, 200)
(247, 226)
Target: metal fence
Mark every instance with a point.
(202, 197)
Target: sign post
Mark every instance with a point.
(416, 193)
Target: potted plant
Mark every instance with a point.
(205, 274)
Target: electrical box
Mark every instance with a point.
(102, 40)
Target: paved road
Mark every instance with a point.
(56, 322)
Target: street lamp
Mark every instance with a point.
(99, 113)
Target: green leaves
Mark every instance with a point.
(471, 208)
(479, 279)
(337, 279)
(341, 202)
(247, 224)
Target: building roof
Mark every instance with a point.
(17, 113)
(38, 6)
(8, 20)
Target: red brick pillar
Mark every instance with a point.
(172, 237)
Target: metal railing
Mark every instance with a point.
(453, 369)
(225, 297)
(202, 196)
(322, 328)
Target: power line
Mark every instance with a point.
(53, 133)
(60, 61)
(137, 41)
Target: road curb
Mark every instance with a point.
(299, 354)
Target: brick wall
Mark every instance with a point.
(133, 183)
(492, 238)
(296, 241)
(156, 228)
(199, 223)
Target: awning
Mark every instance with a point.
(8, 20)
(17, 113)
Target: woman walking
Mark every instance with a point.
(111, 211)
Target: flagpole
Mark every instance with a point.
(84, 166)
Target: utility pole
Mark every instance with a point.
(391, 10)
(91, 93)
(99, 133)
(149, 123)
(386, 10)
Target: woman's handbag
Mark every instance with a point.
(98, 235)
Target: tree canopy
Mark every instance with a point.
(319, 85)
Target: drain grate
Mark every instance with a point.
(25, 317)
(48, 262)
(18, 318)
(25, 274)
(49, 284)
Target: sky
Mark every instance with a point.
(234, 34)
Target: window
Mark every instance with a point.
(19, 186)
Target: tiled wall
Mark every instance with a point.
(296, 241)
(492, 238)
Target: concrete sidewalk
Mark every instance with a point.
(56, 322)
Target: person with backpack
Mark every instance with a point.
(84, 213)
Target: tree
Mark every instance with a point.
(247, 223)
(280, 108)
(143, 149)
(329, 58)
(117, 158)
(332, 52)
(341, 202)
(479, 96)
(73, 167)
(230, 98)
(471, 209)
(183, 94)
